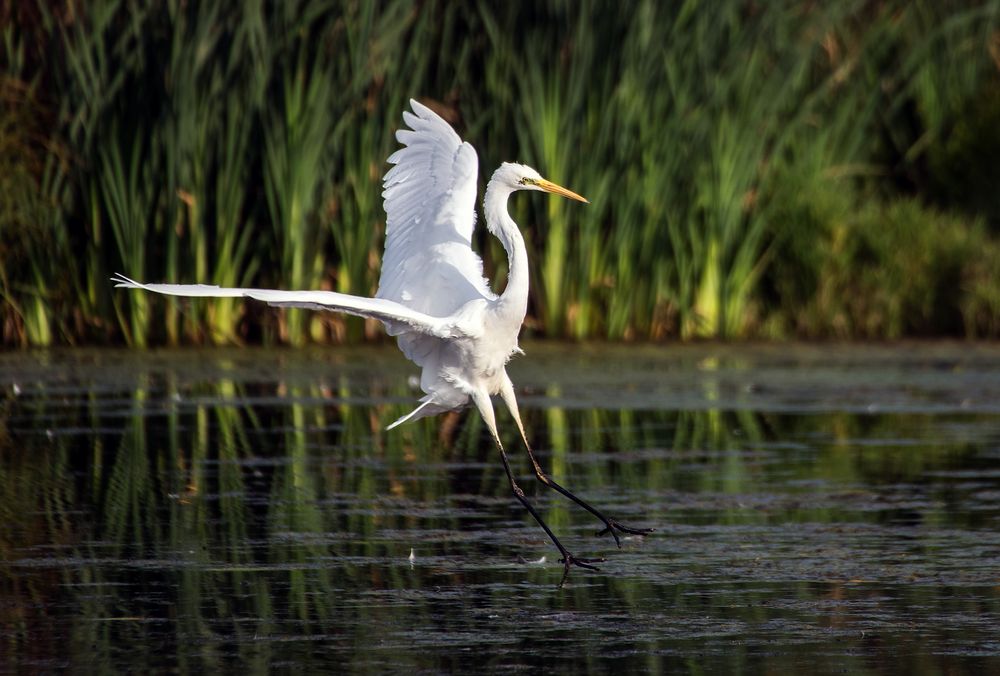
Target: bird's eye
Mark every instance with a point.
(527, 180)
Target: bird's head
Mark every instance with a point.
(522, 177)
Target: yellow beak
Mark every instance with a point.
(549, 186)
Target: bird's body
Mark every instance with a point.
(429, 263)
(432, 295)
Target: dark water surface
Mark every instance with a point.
(818, 509)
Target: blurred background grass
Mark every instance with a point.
(780, 169)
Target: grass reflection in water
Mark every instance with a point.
(194, 511)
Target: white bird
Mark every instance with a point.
(432, 295)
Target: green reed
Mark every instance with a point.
(244, 145)
(213, 94)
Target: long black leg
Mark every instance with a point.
(567, 559)
(610, 525)
(482, 401)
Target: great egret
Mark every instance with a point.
(432, 295)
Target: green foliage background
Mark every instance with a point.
(772, 169)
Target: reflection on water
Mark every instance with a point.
(830, 509)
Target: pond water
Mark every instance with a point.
(817, 508)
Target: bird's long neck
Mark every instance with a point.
(513, 301)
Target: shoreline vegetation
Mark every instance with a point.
(756, 170)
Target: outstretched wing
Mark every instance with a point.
(391, 313)
(430, 206)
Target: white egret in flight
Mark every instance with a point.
(432, 295)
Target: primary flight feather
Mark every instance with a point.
(432, 295)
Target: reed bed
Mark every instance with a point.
(732, 153)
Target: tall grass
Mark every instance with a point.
(244, 145)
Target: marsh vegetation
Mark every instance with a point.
(755, 169)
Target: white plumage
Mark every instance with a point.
(432, 295)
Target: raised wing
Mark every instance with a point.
(430, 205)
(391, 313)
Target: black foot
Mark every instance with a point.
(569, 560)
(614, 528)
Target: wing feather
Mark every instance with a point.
(431, 289)
(429, 196)
(430, 199)
(392, 314)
